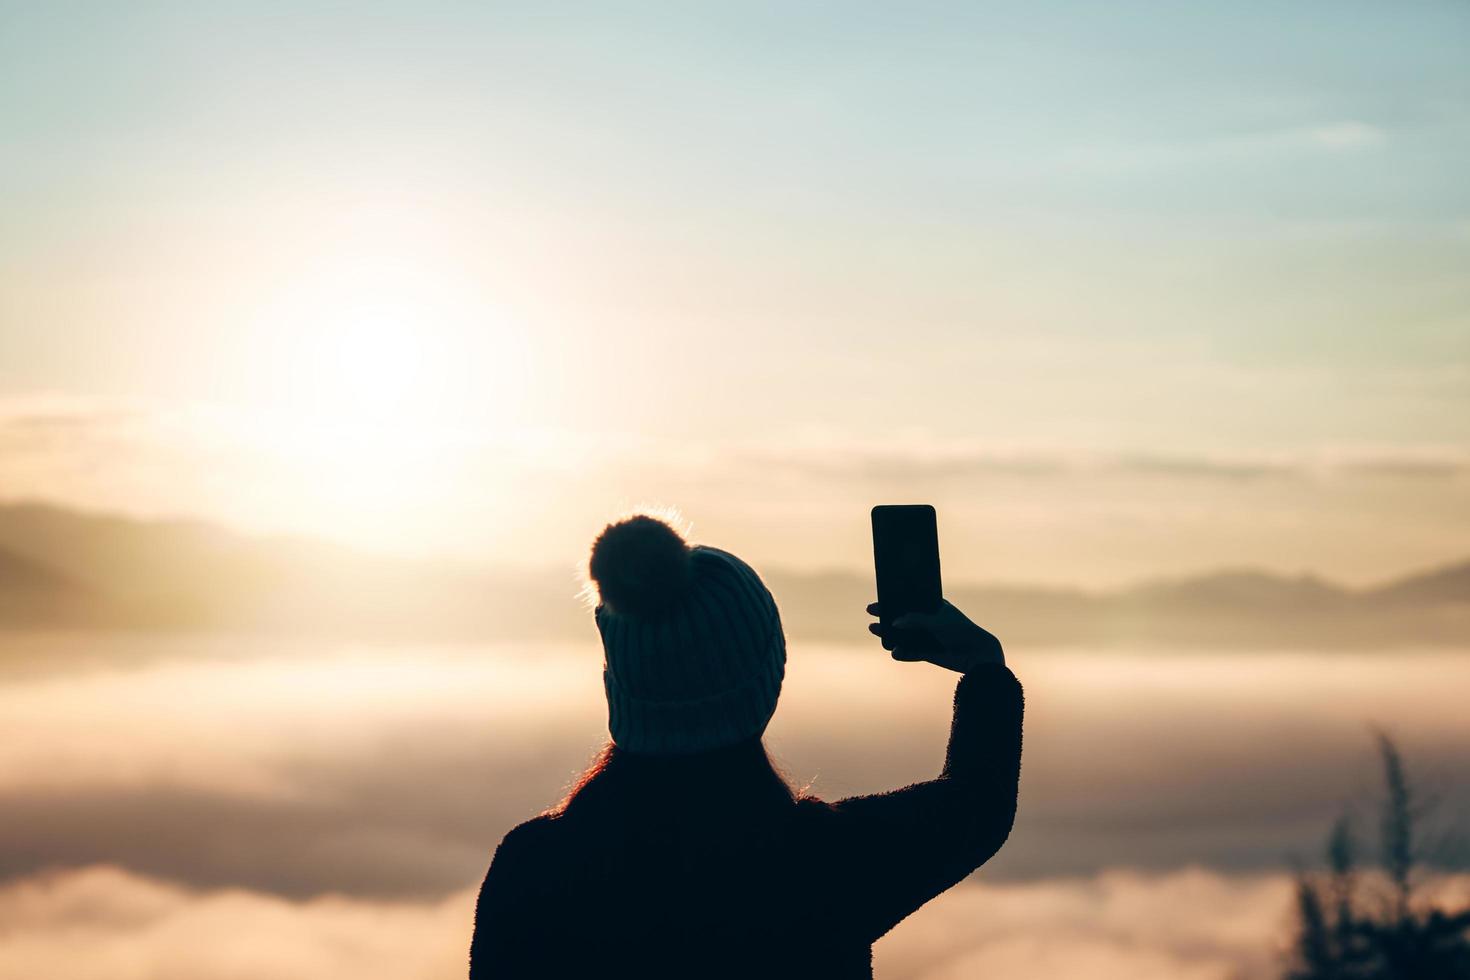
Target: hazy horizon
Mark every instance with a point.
(575, 565)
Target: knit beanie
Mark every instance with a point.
(693, 647)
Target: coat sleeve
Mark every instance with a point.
(892, 852)
(505, 942)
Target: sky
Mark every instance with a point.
(1126, 290)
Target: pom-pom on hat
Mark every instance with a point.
(693, 646)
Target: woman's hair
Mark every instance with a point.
(733, 783)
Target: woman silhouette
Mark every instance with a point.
(682, 852)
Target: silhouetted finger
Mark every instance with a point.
(873, 609)
(875, 628)
(907, 656)
(915, 620)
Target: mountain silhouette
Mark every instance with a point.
(34, 594)
(1443, 585)
(19, 576)
(61, 568)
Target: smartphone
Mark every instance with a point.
(906, 563)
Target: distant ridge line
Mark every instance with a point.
(73, 569)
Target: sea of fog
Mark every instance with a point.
(342, 800)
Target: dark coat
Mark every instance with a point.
(776, 886)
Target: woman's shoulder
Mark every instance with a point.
(525, 854)
(529, 838)
(813, 809)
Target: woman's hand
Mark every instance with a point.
(963, 646)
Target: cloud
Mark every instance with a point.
(1334, 136)
(1346, 135)
(289, 769)
(961, 461)
(1191, 923)
(390, 774)
(100, 922)
(56, 449)
(104, 924)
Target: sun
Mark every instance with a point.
(377, 370)
(379, 321)
(370, 341)
(373, 358)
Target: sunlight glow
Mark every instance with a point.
(374, 363)
(381, 325)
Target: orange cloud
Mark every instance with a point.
(1188, 924)
(101, 923)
